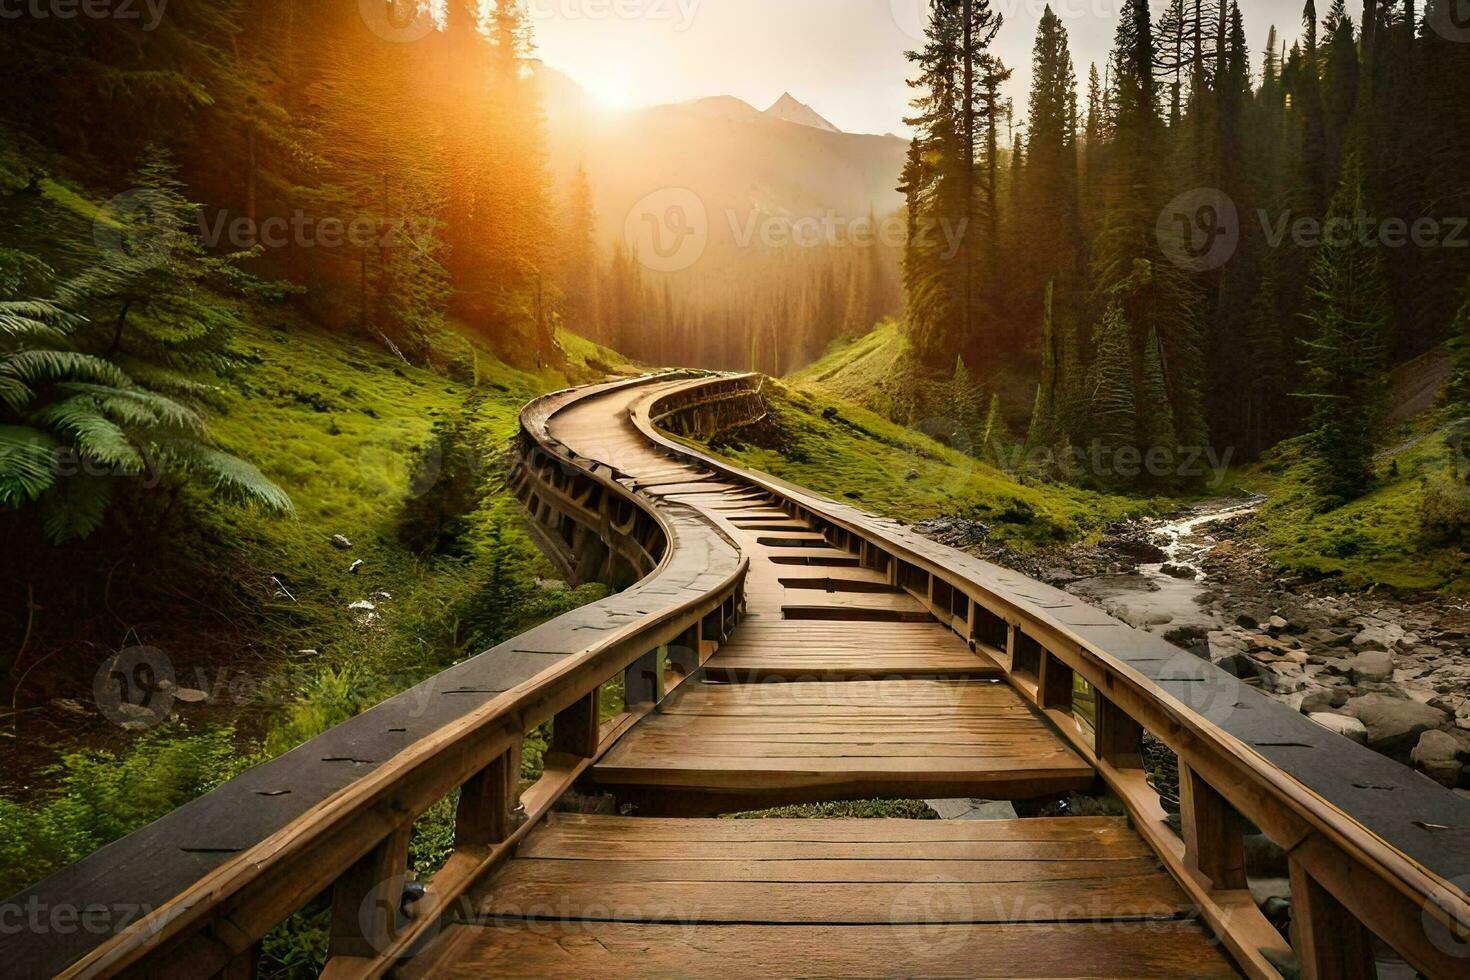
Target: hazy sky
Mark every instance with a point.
(843, 57)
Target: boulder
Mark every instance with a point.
(1341, 724)
(1178, 571)
(1394, 724)
(340, 542)
(1373, 665)
(1321, 701)
(1384, 637)
(1438, 756)
(1276, 624)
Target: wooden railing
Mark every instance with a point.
(201, 888)
(1372, 846)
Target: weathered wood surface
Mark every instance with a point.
(207, 838)
(1299, 781)
(847, 739)
(649, 897)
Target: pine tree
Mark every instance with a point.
(1155, 414)
(1112, 406)
(1043, 429)
(996, 440)
(1346, 358)
(579, 257)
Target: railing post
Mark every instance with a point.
(576, 728)
(1330, 943)
(487, 801)
(1214, 834)
(1119, 739)
(1054, 686)
(367, 896)
(643, 682)
(683, 653)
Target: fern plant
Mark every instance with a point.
(84, 403)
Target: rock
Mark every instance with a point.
(362, 605)
(1178, 571)
(352, 569)
(190, 695)
(72, 707)
(1321, 701)
(340, 542)
(1384, 637)
(1394, 724)
(1246, 621)
(1437, 756)
(1223, 644)
(1374, 665)
(1341, 724)
(1276, 624)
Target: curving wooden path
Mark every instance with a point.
(837, 684)
(777, 647)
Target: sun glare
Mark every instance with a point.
(614, 94)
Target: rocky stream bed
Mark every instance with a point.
(1391, 673)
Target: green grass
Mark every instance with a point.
(1376, 540)
(850, 453)
(862, 371)
(338, 424)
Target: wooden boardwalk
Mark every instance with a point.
(837, 684)
(778, 647)
(639, 896)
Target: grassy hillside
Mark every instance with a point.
(849, 452)
(1410, 532)
(281, 629)
(864, 371)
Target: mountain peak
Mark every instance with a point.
(788, 109)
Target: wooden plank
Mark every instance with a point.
(1329, 942)
(1162, 949)
(575, 730)
(1214, 836)
(366, 898)
(487, 801)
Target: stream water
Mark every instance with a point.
(1153, 598)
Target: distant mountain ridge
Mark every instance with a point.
(788, 109)
(787, 161)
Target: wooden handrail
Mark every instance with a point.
(205, 911)
(1377, 840)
